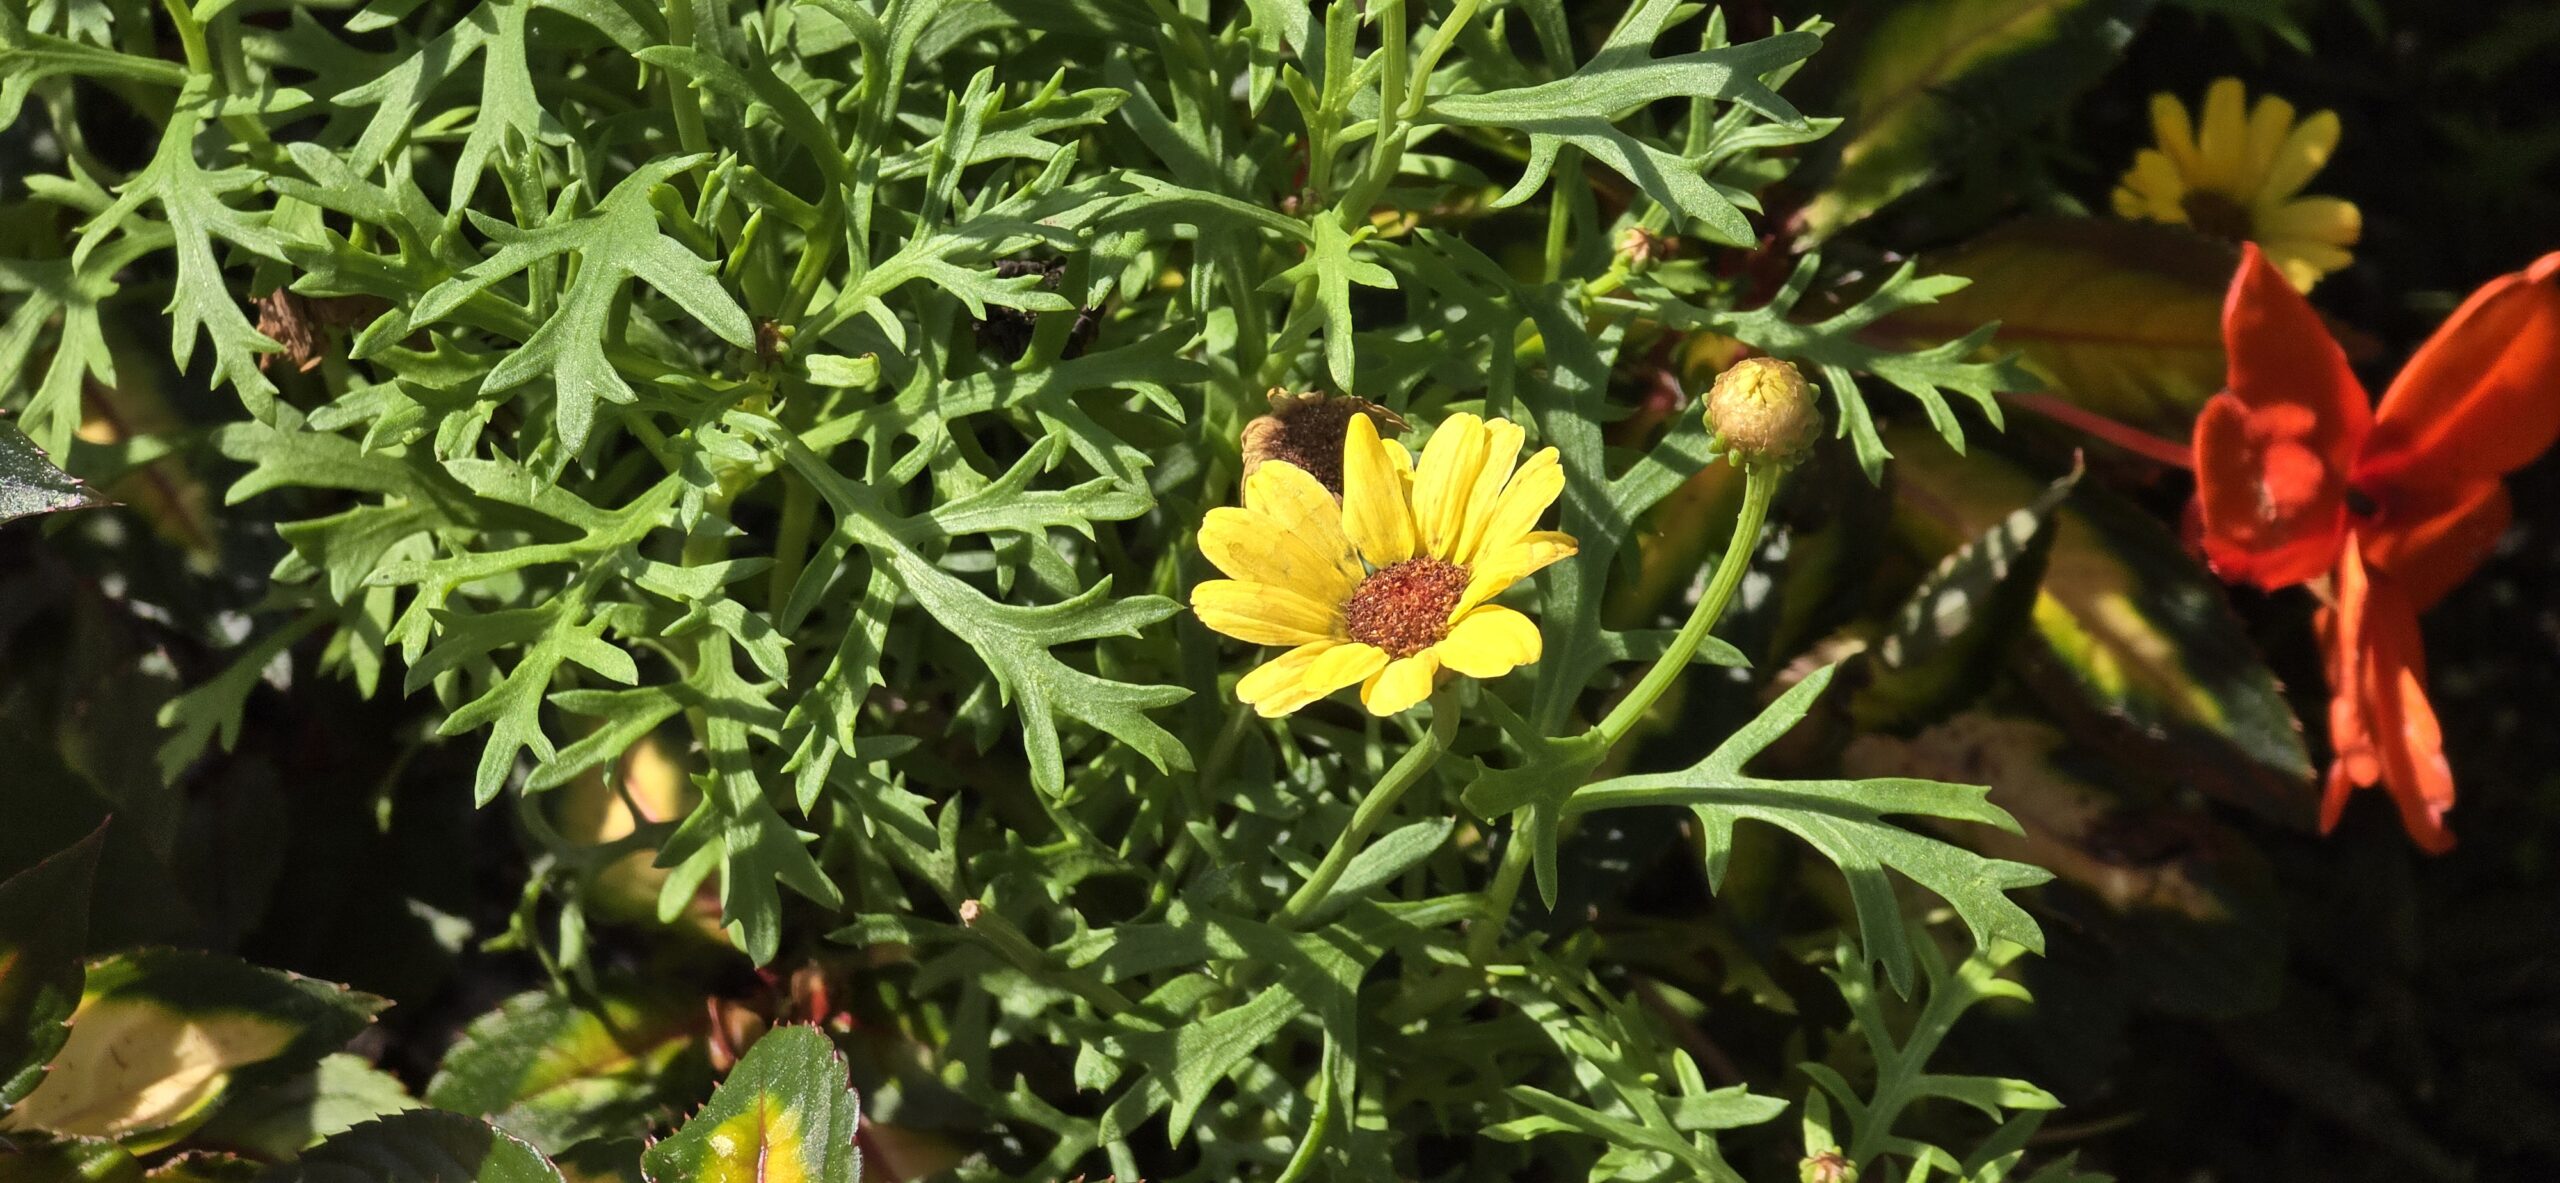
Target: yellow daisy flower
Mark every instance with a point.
(1392, 585)
(2235, 176)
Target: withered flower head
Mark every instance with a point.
(302, 324)
(1005, 334)
(1643, 247)
(1305, 429)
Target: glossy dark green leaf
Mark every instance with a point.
(44, 925)
(422, 1146)
(30, 484)
(557, 1072)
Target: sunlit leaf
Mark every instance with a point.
(785, 1112)
(2135, 644)
(2120, 318)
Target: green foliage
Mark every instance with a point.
(1896, 1053)
(823, 399)
(557, 1073)
(785, 1111)
(426, 1146)
(44, 922)
(31, 485)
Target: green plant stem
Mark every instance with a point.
(1381, 800)
(1759, 487)
(1498, 898)
(791, 545)
(681, 98)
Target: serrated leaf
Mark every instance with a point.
(1835, 350)
(785, 1112)
(30, 484)
(422, 1146)
(159, 1033)
(1327, 273)
(192, 201)
(620, 240)
(1846, 821)
(1578, 111)
(557, 1072)
(1015, 640)
(44, 923)
(283, 1119)
(2186, 906)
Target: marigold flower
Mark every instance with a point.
(1394, 584)
(2297, 477)
(2235, 176)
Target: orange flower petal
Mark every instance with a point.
(2379, 659)
(2430, 540)
(2482, 396)
(2273, 450)
(2270, 508)
(2281, 354)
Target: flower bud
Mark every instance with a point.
(1830, 1166)
(1305, 429)
(1761, 412)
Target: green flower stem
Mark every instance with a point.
(1498, 898)
(1760, 485)
(682, 99)
(1381, 799)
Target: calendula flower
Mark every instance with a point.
(1393, 585)
(2298, 478)
(2235, 175)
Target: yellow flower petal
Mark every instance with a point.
(1489, 642)
(1495, 571)
(2269, 122)
(1290, 536)
(1403, 457)
(2317, 219)
(2304, 153)
(1502, 454)
(1524, 500)
(1264, 614)
(2152, 189)
(2169, 126)
(1403, 683)
(1374, 513)
(2221, 136)
(2304, 261)
(1302, 675)
(1447, 473)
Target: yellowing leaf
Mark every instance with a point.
(2134, 646)
(132, 1065)
(785, 1115)
(2121, 318)
(159, 1033)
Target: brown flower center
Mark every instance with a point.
(2216, 215)
(1404, 609)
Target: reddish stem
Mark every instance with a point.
(2140, 443)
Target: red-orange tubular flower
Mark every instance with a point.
(2297, 478)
